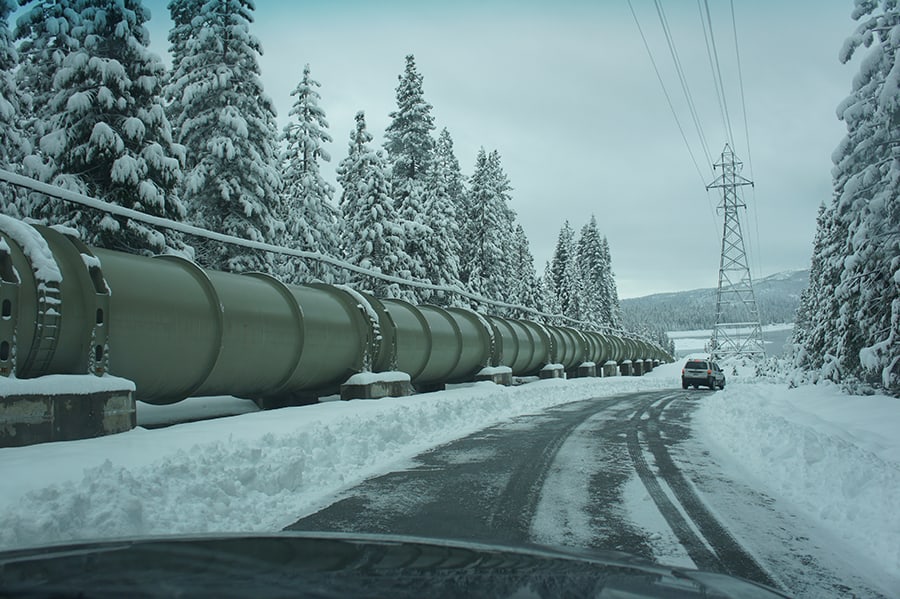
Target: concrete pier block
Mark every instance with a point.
(375, 385)
(500, 375)
(553, 371)
(637, 368)
(585, 369)
(64, 408)
(626, 368)
(610, 368)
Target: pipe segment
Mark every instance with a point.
(177, 330)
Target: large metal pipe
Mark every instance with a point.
(177, 330)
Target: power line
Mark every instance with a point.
(713, 54)
(665, 92)
(737, 54)
(679, 70)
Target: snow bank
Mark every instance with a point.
(253, 472)
(835, 457)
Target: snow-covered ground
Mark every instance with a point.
(253, 472)
(835, 458)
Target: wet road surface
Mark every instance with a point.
(570, 470)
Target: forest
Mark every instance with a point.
(86, 106)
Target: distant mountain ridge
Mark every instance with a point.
(777, 296)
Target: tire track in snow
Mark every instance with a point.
(727, 554)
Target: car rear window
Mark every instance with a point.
(697, 365)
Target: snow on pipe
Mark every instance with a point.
(178, 330)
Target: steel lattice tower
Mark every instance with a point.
(737, 331)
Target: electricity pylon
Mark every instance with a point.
(738, 331)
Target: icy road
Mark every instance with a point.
(619, 473)
(796, 487)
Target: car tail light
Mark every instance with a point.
(682, 372)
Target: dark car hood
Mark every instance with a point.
(344, 565)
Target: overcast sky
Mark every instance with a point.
(565, 91)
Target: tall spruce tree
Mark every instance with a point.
(441, 264)
(525, 288)
(561, 273)
(410, 150)
(311, 220)
(454, 184)
(591, 261)
(489, 229)
(609, 294)
(227, 125)
(13, 143)
(853, 332)
(105, 130)
(374, 235)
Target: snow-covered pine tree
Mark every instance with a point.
(227, 125)
(591, 263)
(311, 220)
(408, 140)
(13, 143)
(489, 229)
(44, 31)
(442, 220)
(455, 187)
(548, 297)
(807, 339)
(374, 237)
(609, 292)
(560, 270)
(857, 316)
(106, 130)
(410, 150)
(525, 287)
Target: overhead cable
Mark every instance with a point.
(666, 93)
(713, 54)
(685, 88)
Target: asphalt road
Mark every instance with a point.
(502, 485)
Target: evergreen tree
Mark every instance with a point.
(410, 150)
(408, 137)
(374, 237)
(227, 125)
(45, 38)
(107, 134)
(13, 144)
(808, 353)
(853, 331)
(45, 34)
(609, 293)
(548, 298)
(525, 287)
(561, 273)
(454, 184)
(593, 272)
(442, 220)
(311, 221)
(489, 229)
